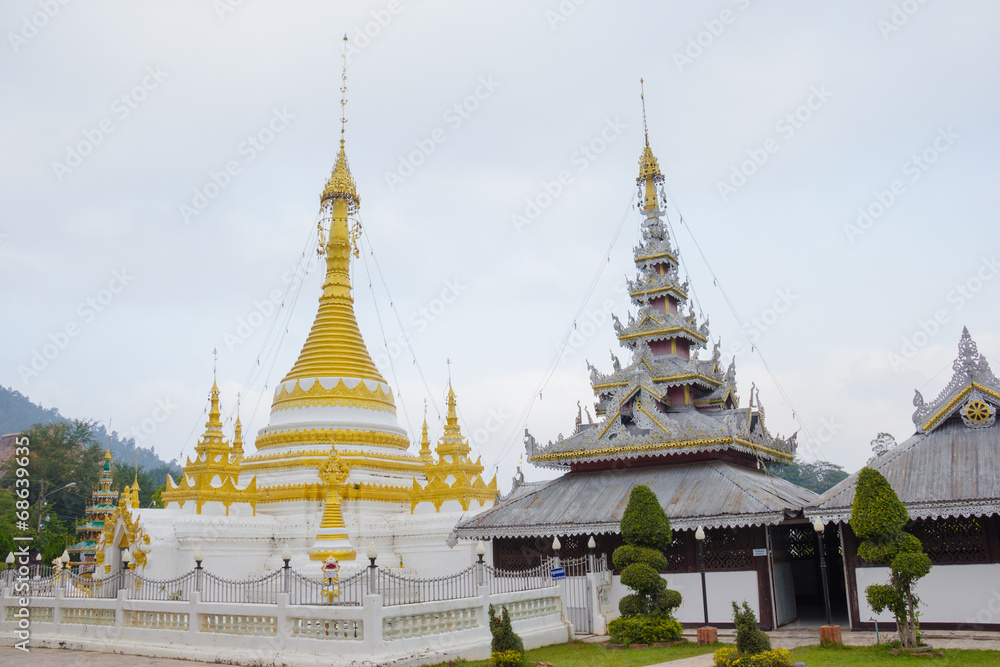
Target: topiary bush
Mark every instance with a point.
(730, 657)
(646, 531)
(750, 639)
(507, 659)
(644, 630)
(505, 641)
(644, 522)
(878, 518)
(629, 554)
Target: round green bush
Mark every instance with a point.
(671, 600)
(507, 659)
(643, 579)
(644, 630)
(644, 522)
(877, 509)
(627, 554)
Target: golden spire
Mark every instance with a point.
(452, 443)
(649, 168)
(425, 441)
(335, 347)
(238, 434)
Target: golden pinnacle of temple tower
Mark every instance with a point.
(238, 432)
(452, 443)
(334, 347)
(649, 168)
(425, 442)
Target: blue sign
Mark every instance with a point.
(558, 573)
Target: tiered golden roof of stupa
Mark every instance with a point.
(454, 476)
(214, 473)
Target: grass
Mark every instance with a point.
(580, 654)
(878, 656)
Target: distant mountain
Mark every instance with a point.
(18, 413)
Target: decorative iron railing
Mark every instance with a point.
(394, 588)
(511, 581)
(349, 591)
(76, 586)
(263, 590)
(177, 589)
(397, 589)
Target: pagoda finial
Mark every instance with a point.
(341, 184)
(642, 96)
(238, 430)
(649, 168)
(425, 441)
(343, 92)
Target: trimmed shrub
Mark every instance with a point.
(644, 579)
(644, 630)
(505, 640)
(750, 639)
(878, 517)
(646, 531)
(876, 511)
(730, 657)
(507, 659)
(644, 522)
(629, 554)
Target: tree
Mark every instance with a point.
(817, 476)
(60, 453)
(647, 613)
(127, 475)
(878, 518)
(506, 648)
(882, 443)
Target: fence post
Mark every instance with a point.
(57, 598)
(371, 615)
(194, 625)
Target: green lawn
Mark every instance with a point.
(872, 656)
(579, 654)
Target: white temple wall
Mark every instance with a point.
(948, 594)
(723, 589)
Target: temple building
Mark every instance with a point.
(947, 475)
(331, 472)
(102, 504)
(670, 418)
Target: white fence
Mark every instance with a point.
(279, 619)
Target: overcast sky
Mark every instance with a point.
(161, 165)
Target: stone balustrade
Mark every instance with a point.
(282, 633)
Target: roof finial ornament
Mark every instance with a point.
(642, 96)
(343, 92)
(215, 365)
